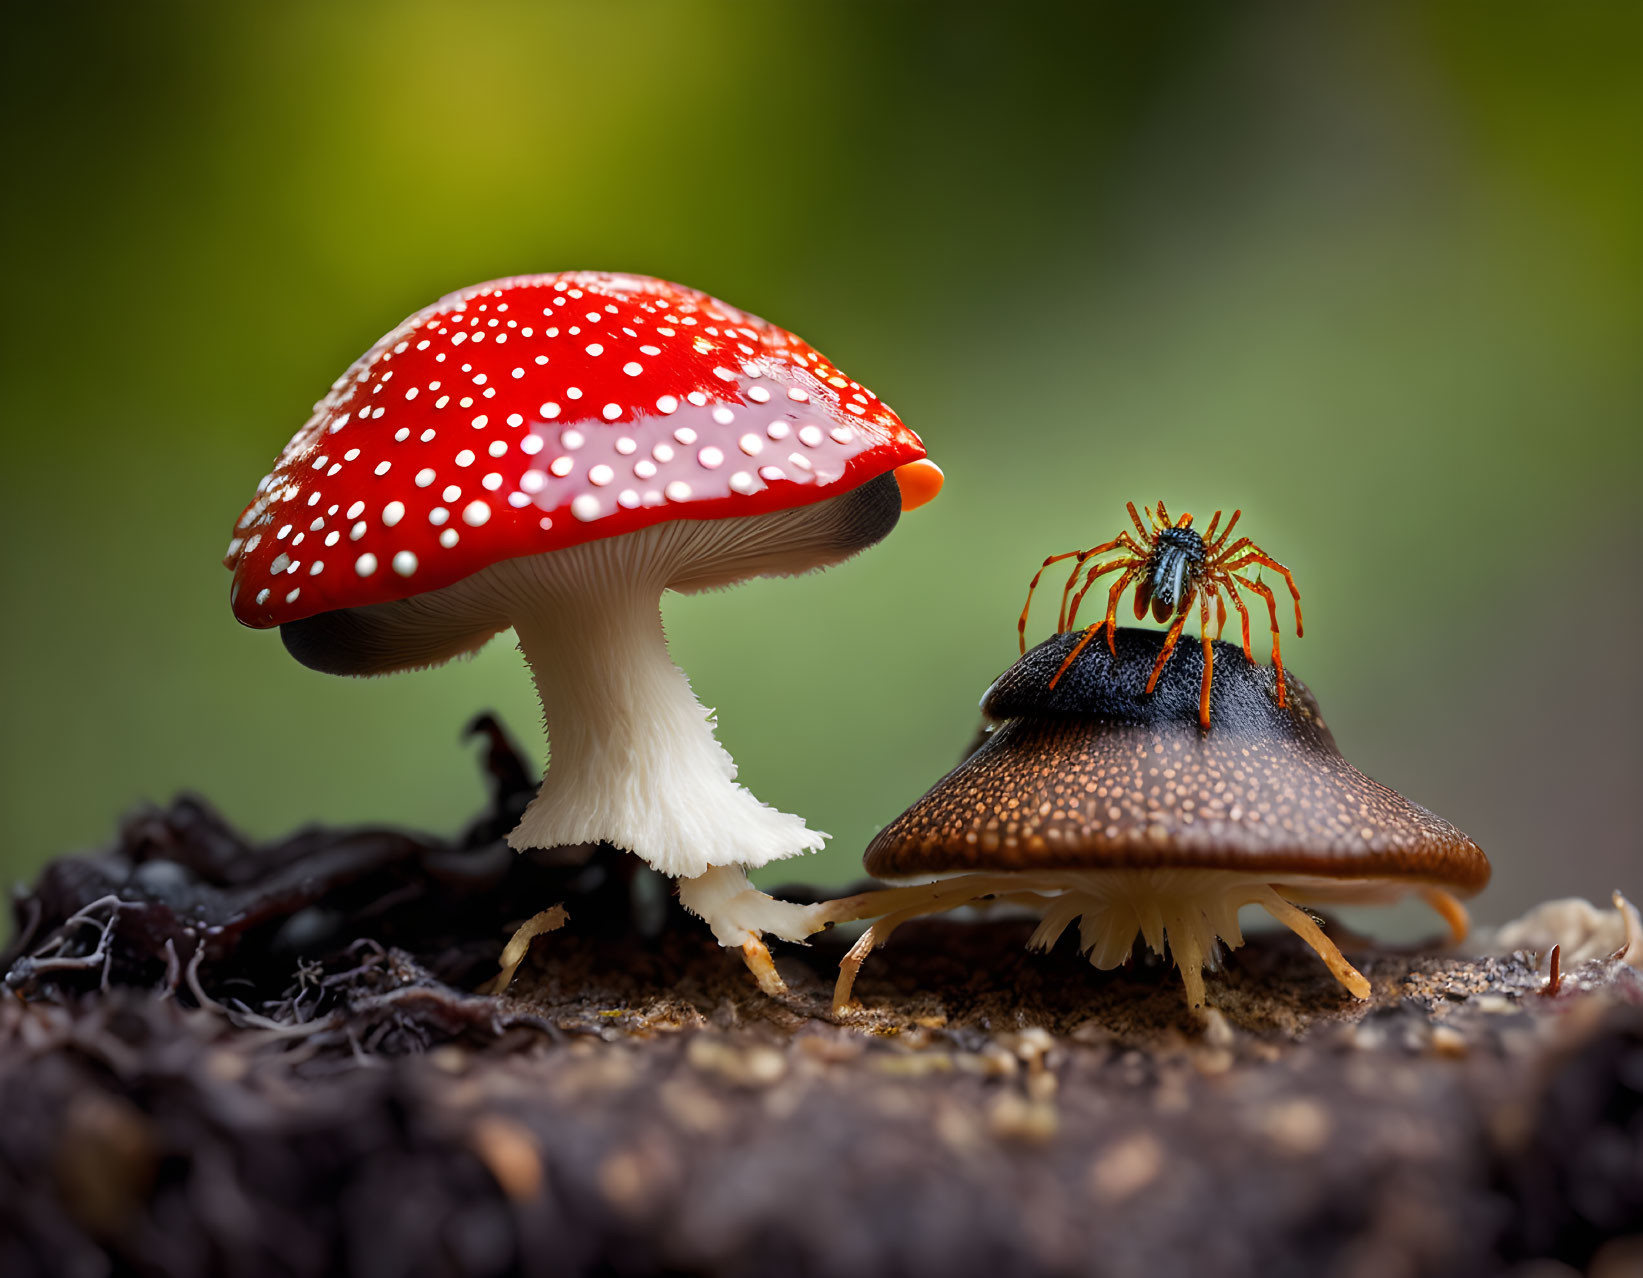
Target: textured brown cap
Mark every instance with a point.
(1097, 774)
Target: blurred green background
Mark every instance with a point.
(1371, 272)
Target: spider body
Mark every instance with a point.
(1175, 571)
(1171, 573)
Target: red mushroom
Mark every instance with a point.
(551, 453)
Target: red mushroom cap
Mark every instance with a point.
(534, 413)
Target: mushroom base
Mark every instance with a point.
(1185, 915)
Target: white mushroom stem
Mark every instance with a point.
(633, 759)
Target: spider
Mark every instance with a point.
(1172, 566)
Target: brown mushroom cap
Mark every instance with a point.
(1097, 774)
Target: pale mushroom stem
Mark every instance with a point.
(633, 756)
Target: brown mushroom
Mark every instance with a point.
(1098, 803)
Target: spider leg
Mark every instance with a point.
(1068, 619)
(1066, 590)
(1243, 613)
(1112, 607)
(1223, 557)
(1220, 609)
(1209, 533)
(1021, 626)
(1146, 537)
(1260, 556)
(1209, 656)
(1072, 656)
(1163, 515)
(1225, 532)
(1083, 558)
(1100, 570)
(1170, 637)
(1265, 591)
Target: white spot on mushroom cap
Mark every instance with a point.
(366, 564)
(716, 347)
(585, 506)
(405, 563)
(476, 513)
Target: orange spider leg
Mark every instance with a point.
(1265, 591)
(1163, 515)
(1225, 532)
(1100, 570)
(1146, 537)
(1223, 556)
(1021, 626)
(1209, 533)
(1066, 620)
(1073, 655)
(1112, 604)
(1259, 556)
(1243, 612)
(1220, 611)
(1209, 656)
(1113, 596)
(1066, 589)
(1173, 634)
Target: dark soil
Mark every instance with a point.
(228, 1058)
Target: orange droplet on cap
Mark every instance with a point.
(919, 481)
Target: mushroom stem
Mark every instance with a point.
(739, 913)
(633, 758)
